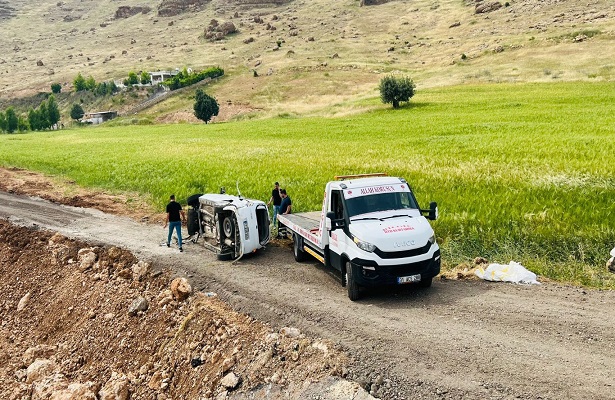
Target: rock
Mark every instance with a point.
(230, 381)
(155, 381)
(23, 302)
(39, 351)
(180, 288)
(74, 391)
(116, 388)
(138, 304)
(39, 369)
(39, 63)
(127, 12)
(55, 239)
(482, 8)
(139, 270)
(86, 258)
(480, 260)
(290, 332)
(610, 265)
(580, 38)
(227, 364)
(125, 273)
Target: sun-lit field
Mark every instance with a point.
(520, 172)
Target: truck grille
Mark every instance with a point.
(403, 254)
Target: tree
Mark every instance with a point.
(56, 88)
(76, 112)
(90, 84)
(34, 119)
(12, 122)
(205, 106)
(44, 116)
(145, 78)
(53, 112)
(395, 90)
(22, 124)
(79, 83)
(2, 122)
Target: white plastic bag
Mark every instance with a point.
(513, 272)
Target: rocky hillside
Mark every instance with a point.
(306, 54)
(82, 322)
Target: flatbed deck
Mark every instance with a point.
(306, 224)
(307, 220)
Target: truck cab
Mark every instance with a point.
(372, 230)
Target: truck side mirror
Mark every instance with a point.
(433, 210)
(335, 223)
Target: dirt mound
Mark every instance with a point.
(88, 321)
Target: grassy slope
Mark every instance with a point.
(520, 171)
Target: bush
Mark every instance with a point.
(184, 78)
(395, 90)
(56, 88)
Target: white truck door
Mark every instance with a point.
(337, 237)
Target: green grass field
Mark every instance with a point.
(521, 172)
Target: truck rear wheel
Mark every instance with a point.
(351, 284)
(300, 254)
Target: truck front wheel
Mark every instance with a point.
(425, 283)
(351, 284)
(300, 254)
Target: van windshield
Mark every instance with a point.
(380, 202)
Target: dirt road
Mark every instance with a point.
(457, 340)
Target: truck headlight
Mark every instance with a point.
(364, 245)
(432, 239)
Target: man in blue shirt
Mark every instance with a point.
(285, 208)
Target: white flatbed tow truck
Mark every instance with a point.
(371, 230)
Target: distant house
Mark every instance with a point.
(161, 76)
(96, 118)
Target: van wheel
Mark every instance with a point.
(300, 254)
(351, 285)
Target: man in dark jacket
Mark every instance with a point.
(276, 199)
(175, 216)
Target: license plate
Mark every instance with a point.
(409, 279)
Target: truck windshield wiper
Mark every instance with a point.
(360, 219)
(396, 216)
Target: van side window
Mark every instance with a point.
(336, 204)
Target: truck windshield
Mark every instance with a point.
(380, 202)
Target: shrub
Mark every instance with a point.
(56, 88)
